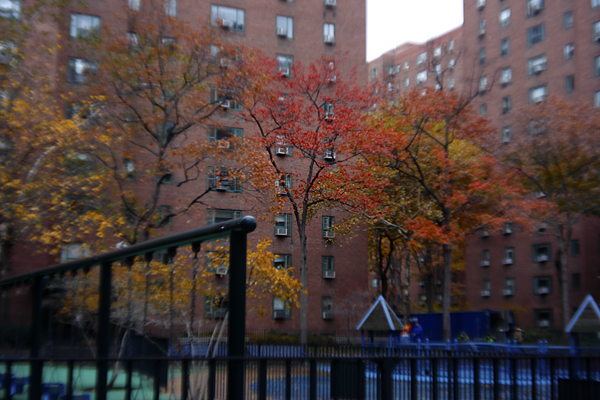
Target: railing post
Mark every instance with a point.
(360, 380)
(35, 384)
(313, 380)
(515, 386)
(476, 379)
(103, 338)
(288, 379)
(262, 379)
(434, 378)
(236, 333)
(533, 377)
(185, 378)
(455, 391)
(496, 377)
(413, 380)
(387, 367)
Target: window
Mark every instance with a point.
(390, 86)
(164, 216)
(219, 179)
(398, 68)
(485, 288)
(597, 99)
(506, 104)
(73, 251)
(542, 285)
(537, 65)
(129, 169)
(506, 76)
(133, 40)
(543, 317)
(480, 4)
(215, 307)
(283, 184)
(283, 225)
(134, 5)
(406, 82)
(422, 300)
(505, 47)
(569, 51)
(568, 19)
(406, 63)
(327, 307)
(576, 281)
(438, 70)
(437, 52)
(171, 7)
(283, 261)
(227, 17)
(536, 34)
(451, 63)
(596, 28)
(482, 56)
(84, 25)
(390, 70)
(509, 256)
(570, 83)
(482, 28)
(224, 99)
(505, 17)
(483, 109)
(285, 27)
(215, 216)
(597, 66)
(10, 9)
(422, 77)
(220, 136)
(451, 45)
(485, 258)
(79, 69)
(542, 252)
(537, 127)
(327, 224)
(507, 228)
(595, 3)
(281, 309)
(538, 94)
(509, 287)
(506, 134)
(373, 73)
(483, 84)
(575, 250)
(284, 64)
(327, 264)
(534, 6)
(421, 58)
(329, 34)
(451, 84)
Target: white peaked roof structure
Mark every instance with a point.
(586, 318)
(380, 317)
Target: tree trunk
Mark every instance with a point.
(563, 278)
(304, 282)
(447, 249)
(406, 284)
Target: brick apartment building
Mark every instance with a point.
(518, 52)
(292, 31)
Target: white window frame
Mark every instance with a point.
(538, 94)
(597, 99)
(504, 17)
(83, 25)
(219, 15)
(422, 58)
(537, 64)
(506, 76)
(569, 51)
(77, 70)
(451, 45)
(506, 134)
(504, 47)
(406, 82)
(406, 65)
(134, 5)
(421, 77)
(285, 24)
(73, 251)
(438, 69)
(170, 7)
(328, 32)
(437, 52)
(451, 64)
(10, 9)
(483, 82)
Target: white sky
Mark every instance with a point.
(393, 22)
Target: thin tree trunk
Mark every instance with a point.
(406, 283)
(447, 330)
(304, 292)
(563, 278)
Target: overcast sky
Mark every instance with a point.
(393, 22)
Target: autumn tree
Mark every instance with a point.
(556, 155)
(305, 122)
(430, 141)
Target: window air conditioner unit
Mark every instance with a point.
(597, 37)
(225, 23)
(484, 234)
(329, 39)
(280, 314)
(281, 151)
(329, 235)
(284, 71)
(484, 263)
(328, 315)
(542, 258)
(544, 323)
(505, 80)
(225, 104)
(507, 292)
(329, 155)
(222, 270)
(536, 6)
(328, 274)
(543, 290)
(281, 191)
(332, 79)
(422, 283)
(329, 3)
(480, 4)
(537, 69)
(281, 32)
(221, 188)
(482, 31)
(223, 144)
(485, 293)
(219, 314)
(538, 100)
(507, 261)
(225, 62)
(281, 232)
(507, 231)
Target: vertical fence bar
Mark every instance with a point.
(533, 378)
(157, 380)
(515, 387)
(455, 391)
(288, 379)
(103, 336)
(413, 379)
(476, 379)
(70, 367)
(334, 379)
(360, 380)
(185, 378)
(552, 368)
(8, 380)
(236, 332)
(129, 371)
(35, 386)
(313, 380)
(496, 377)
(212, 372)
(262, 379)
(387, 367)
(434, 378)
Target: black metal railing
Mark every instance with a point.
(235, 230)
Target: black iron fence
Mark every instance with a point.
(439, 376)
